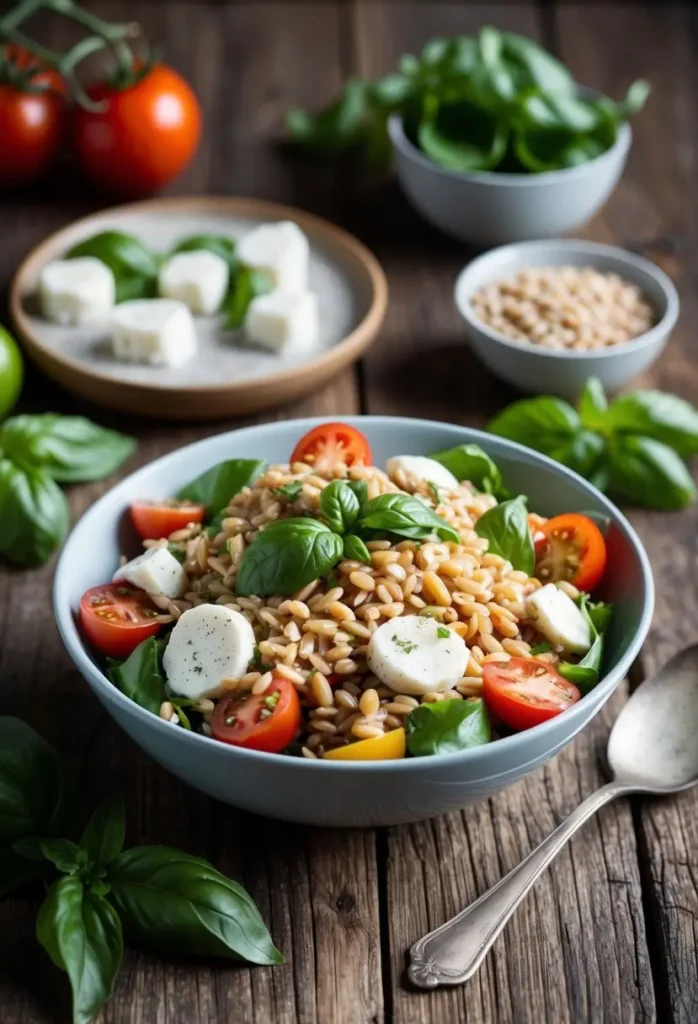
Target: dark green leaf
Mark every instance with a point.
(583, 453)
(179, 552)
(140, 676)
(540, 67)
(585, 673)
(134, 266)
(635, 99)
(287, 555)
(180, 903)
(34, 515)
(469, 462)
(360, 489)
(544, 424)
(659, 415)
(62, 853)
(558, 111)
(248, 285)
(600, 614)
(81, 933)
(337, 128)
(339, 506)
(649, 473)
(392, 91)
(506, 528)
(217, 486)
(541, 648)
(31, 782)
(70, 449)
(103, 838)
(592, 405)
(405, 516)
(219, 244)
(461, 136)
(354, 548)
(180, 703)
(289, 491)
(446, 726)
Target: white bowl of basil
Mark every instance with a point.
(353, 793)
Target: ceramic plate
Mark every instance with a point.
(227, 377)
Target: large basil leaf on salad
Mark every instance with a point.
(140, 676)
(70, 449)
(218, 485)
(287, 555)
(134, 266)
(177, 902)
(339, 506)
(31, 782)
(405, 516)
(447, 726)
(469, 462)
(506, 528)
(33, 512)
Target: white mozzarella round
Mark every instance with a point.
(207, 644)
(559, 619)
(415, 654)
(422, 468)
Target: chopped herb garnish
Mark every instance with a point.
(178, 551)
(405, 645)
(289, 491)
(443, 632)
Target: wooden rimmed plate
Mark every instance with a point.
(226, 378)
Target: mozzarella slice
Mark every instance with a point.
(157, 571)
(79, 291)
(280, 250)
(199, 279)
(423, 469)
(408, 655)
(156, 331)
(280, 321)
(559, 619)
(207, 644)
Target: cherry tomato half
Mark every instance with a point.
(524, 692)
(331, 445)
(32, 117)
(116, 618)
(144, 137)
(265, 721)
(570, 547)
(153, 520)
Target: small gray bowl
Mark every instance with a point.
(564, 372)
(491, 208)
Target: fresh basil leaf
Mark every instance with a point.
(600, 614)
(103, 838)
(658, 415)
(593, 405)
(287, 555)
(81, 933)
(392, 91)
(218, 485)
(354, 548)
(249, 284)
(140, 676)
(558, 111)
(544, 424)
(541, 69)
(31, 782)
(506, 528)
(180, 703)
(583, 453)
(16, 871)
(178, 551)
(339, 506)
(586, 673)
(405, 516)
(181, 903)
(649, 473)
(360, 489)
(70, 449)
(461, 136)
(34, 515)
(134, 266)
(62, 853)
(289, 491)
(220, 245)
(446, 726)
(469, 462)
(634, 100)
(339, 127)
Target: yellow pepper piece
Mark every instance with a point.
(389, 747)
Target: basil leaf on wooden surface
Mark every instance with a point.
(446, 726)
(286, 555)
(334, 129)
(506, 528)
(469, 462)
(70, 449)
(405, 516)
(649, 473)
(544, 424)
(81, 933)
(180, 903)
(31, 782)
(658, 415)
(104, 834)
(593, 405)
(218, 485)
(134, 266)
(339, 506)
(354, 548)
(34, 515)
(140, 676)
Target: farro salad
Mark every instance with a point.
(327, 608)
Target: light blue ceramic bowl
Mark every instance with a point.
(359, 793)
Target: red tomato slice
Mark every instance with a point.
(153, 520)
(266, 721)
(570, 547)
(116, 619)
(524, 692)
(332, 445)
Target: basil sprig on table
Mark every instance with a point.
(447, 726)
(133, 264)
(633, 447)
(35, 452)
(506, 529)
(156, 895)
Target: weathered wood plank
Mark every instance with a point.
(576, 950)
(655, 212)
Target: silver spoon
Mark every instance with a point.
(653, 748)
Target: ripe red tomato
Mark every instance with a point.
(32, 122)
(153, 520)
(332, 444)
(116, 619)
(265, 721)
(147, 134)
(570, 547)
(524, 692)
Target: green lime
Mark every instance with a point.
(11, 372)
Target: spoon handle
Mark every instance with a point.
(452, 953)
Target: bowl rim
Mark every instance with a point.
(67, 625)
(622, 257)
(504, 179)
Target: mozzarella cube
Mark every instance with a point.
(159, 332)
(208, 643)
(559, 619)
(280, 250)
(79, 291)
(199, 279)
(157, 571)
(422, 469)
(415, 654)
(280, 321)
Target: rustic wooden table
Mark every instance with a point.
(610, 932)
